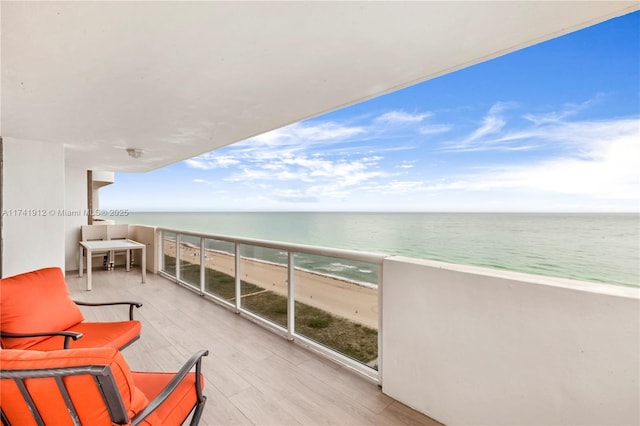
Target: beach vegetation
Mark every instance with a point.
(217, 283)
(340, 334)
(320, 322)
(281, 307)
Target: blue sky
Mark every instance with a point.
(554, 127)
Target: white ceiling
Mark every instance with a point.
(177, 79)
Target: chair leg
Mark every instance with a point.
(197, 413)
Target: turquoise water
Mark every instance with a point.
(602, 248)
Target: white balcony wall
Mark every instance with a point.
(99, 179)
(75, 213)
(103, 178)
(468, 345)
(33, 180)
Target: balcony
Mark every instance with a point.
(253, 376)
(512, 348)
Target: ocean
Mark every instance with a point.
(596, 247)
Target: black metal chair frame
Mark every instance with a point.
(108, 389)
(73, 335)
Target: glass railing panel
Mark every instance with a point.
(263, 272)
(220, 272)
(169, 252)
(336, 305)
(190, 260)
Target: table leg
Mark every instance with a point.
(80, 262)
(128, 268)
(89, 268)
(143, 264)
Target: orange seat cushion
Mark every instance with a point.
(82, 389)
(114, 334)
(177, 407)
(35, 302)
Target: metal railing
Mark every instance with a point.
(326, 299)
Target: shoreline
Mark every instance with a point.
(297, 268)
(341, 297)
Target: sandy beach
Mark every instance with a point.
(342, 298)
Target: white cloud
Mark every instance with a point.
(407, 164)
(544, 131)
(434, 129)
(298, 141)
(317, 162)
(609, 169)
(598, 162)
(322, 172)
(287, 141)
(492, 123)
(211, 160)
(568, 110)
(604, 166)
(287, 165)
(298, 133)
(393, 117)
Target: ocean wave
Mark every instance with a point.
(337, 267)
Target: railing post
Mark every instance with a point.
(291, 298)
(203, 265)
(380, 322)
(177, 257)
(238, 278)
(160, 249)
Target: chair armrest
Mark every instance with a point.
(73, 335)
(131, 305)
(196, 360)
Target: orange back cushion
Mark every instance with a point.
(82, 389)
(34, 302)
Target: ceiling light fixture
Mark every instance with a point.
(135, 152)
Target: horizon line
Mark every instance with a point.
(390, 211)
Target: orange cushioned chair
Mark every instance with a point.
(95, 387)
(37, 313)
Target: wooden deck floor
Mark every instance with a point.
(253, 376)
